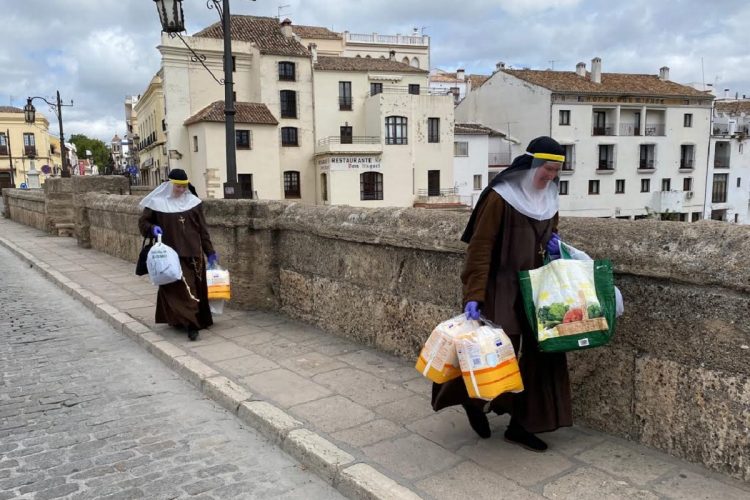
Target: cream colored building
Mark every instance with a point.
(382, 139)
(23, 147)
(150, 128)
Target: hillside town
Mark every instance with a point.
(344, 118)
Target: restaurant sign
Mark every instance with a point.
(342, 163)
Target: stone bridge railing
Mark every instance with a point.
(676, 376)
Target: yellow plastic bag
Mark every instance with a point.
(438, 361)
(488, 363)
(217, 280)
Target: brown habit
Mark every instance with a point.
(187, 234)
(505, 242)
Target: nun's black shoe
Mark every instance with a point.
(518, 435)
(478, 420)
(192, 333)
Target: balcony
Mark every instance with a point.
(629, 129)
(646, 164)
(345, 103)
(349, 144)
(3, 150)
(655, 129)
(404, 89)
(605, 166)
(498, 159)
(687, 163)
(29, 150)
(374, 38)
(603, 131)
(721, 162)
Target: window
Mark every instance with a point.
(371, 186)
(666, 184)
(234, 64)
(433, 130)
(376, 88)
(620, 186)
(234, 96)
(345, 134)
(242, 139)
(286, 71)
(563, 188)
(606, 157)
(593, 187)
(324, 186)
(719, 191)
(645, 185)
(289, 136)
(460, 148)
(739, 181)
(195, 143)
(600, 123)
(687, 152)
(291, 184)
(695, 217)
(569, 158)
(687, 120)
(288, 103)
(246, 185)
(477, 182)
(3, 144)
(687, 184)
(414, 88)
(564, 117)
(345, 96)
(29, 144)
(647, 156)
(396, 130)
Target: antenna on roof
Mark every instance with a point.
(552, 64)
(279, 9)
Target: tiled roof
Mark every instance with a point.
(10, 109)
(246, 112)
(265, 32)
(611, 83)
(475, 129)
(476, 80)
(315, 32)
(734, 107)
(364, 64)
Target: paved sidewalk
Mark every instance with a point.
(359, 418)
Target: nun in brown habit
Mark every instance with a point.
(174, 211)
(509, 230)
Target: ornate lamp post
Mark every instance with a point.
(173, 22)
(29, 114)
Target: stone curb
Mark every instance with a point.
(332, 464)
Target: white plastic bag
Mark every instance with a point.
(163, 264)
(576, 254)
(216, 306)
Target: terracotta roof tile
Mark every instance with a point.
(364, 64)
(315, 32)
(247, 112)
(612, 83)
(265, 32)
(475, 129)
(10, 109)
(734, 107)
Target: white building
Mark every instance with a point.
(635, 143)
(476, 148)
(457, 84)
(728, 191)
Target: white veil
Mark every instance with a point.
(519, 191)
(161, 200)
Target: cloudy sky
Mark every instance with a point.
(98, 51)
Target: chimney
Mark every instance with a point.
(286, 28)
(726, 93)
(596, 70)
(664, 73)
(460, 74)
(581, 69)
(500, 65)
(392, 55)
(313, 48)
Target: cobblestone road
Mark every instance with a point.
(85, 413)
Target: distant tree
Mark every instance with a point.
(99, 150)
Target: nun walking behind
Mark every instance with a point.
(175, 212)
(514, 222)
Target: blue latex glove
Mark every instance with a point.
(213, 258)
(156, 230)
(472, 309)
(553, 246)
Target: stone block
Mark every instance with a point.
(411, 457)
(267, 419)
(285, 388)
(225, 392)
(317, 453)
(588, 482)
(362, 482)
(193, 370)
(469, 480)
(319, 413)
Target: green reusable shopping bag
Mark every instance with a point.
(570, 304)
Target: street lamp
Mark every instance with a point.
(29, 114)
(173, 21)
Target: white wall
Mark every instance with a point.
(466, 167)
(738, 197)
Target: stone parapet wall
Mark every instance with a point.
(676, 376)
(25, 206)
